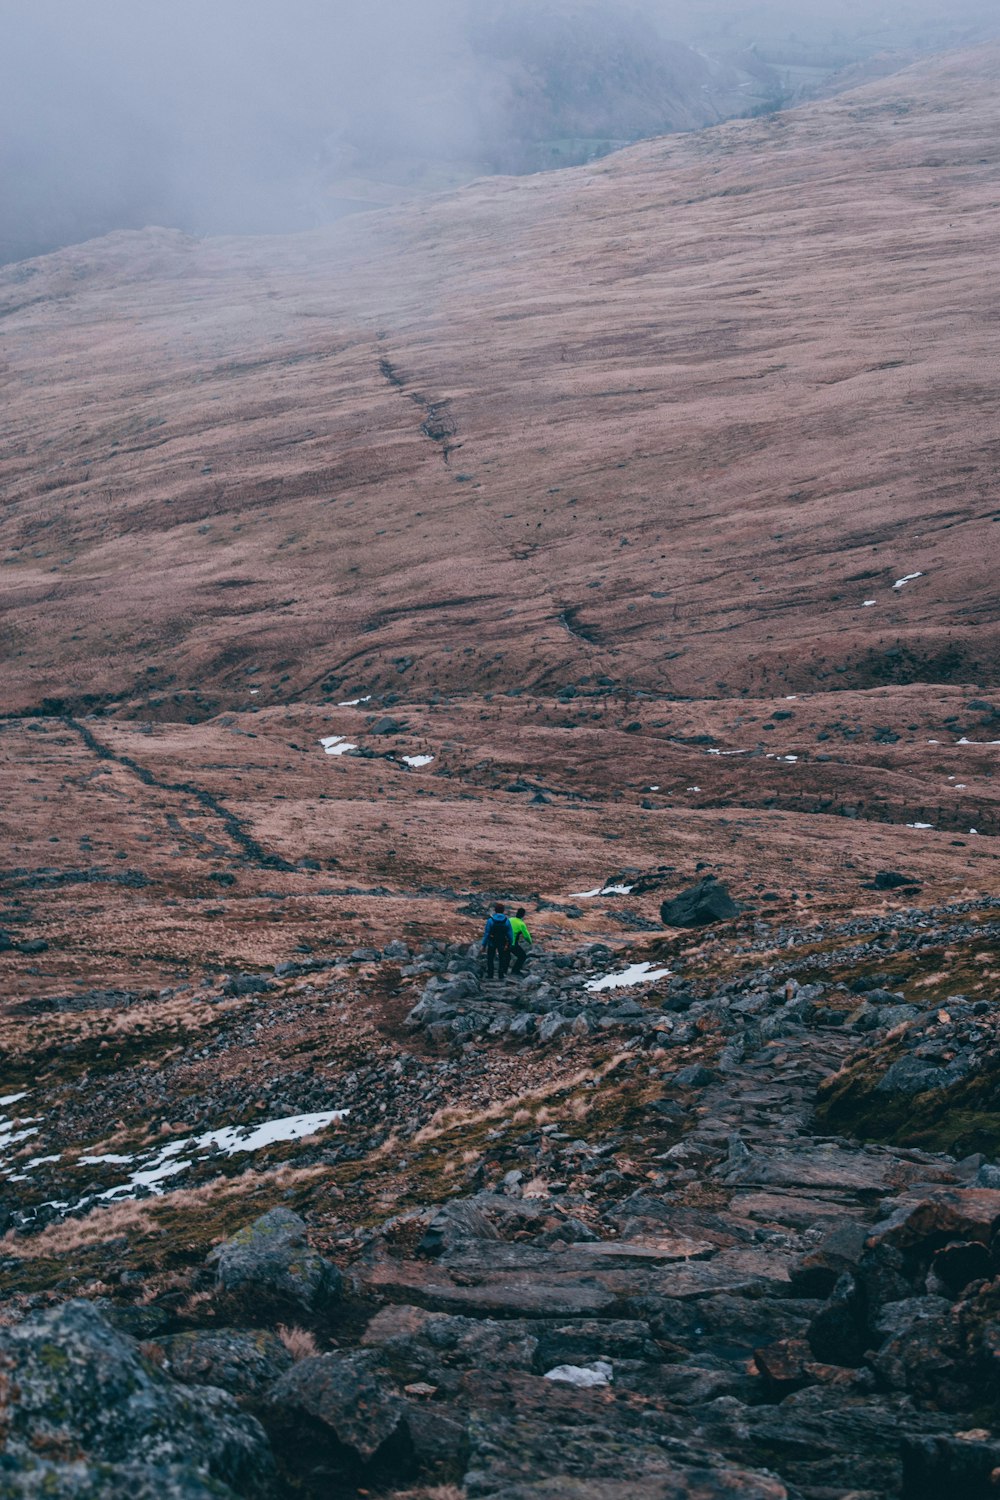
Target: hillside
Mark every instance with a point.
(699, 402)
(565, 541)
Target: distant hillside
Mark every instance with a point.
(713, 414)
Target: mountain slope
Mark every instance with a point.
(669, 420)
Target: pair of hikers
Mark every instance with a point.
(505, 937)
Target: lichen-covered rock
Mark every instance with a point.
(339, 1407)
(243, 1362)
(80, 1393)
(268, 1269)
(38, 1479)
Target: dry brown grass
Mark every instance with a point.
(435, 1492)
(77, 1234)
(134, 1219)
(300, 1343)
(528, 1105)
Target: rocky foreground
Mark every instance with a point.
(661, 1266)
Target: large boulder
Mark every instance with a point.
(269, 1269)
(699, 905)
(336, 1419)
(85, 1415)
(246, 1363)
(30, 1478)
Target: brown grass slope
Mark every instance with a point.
(670, 419)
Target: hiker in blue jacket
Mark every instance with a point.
(498, 940)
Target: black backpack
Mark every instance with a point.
(499, 932)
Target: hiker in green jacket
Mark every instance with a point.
(522, 940)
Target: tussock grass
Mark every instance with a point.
(300, 1343)
(531, 1106)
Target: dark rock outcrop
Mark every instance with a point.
(269, 1269)
(702, 904)
(86, 1415)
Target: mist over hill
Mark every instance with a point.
(236, 118)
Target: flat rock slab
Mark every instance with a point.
(840, 1171)
(496, 1255)
(795, 1210)
(502, 1295)
(667, 1248)
(556, 1287)
(671, 1484)
(969, 1213)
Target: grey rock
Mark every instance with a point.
(455, 1224)
(269, 1267)
(247, 984)
(243, 1362)
(77, 1386)
(39, 1479)
(341, 1398)
(553, 1025)
(700, 905)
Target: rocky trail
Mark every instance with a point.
(567, 1238)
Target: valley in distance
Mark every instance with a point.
(568, 541)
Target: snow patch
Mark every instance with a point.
(635, 974)
(353, 702)
(13, 1098)
(600, 890)
(869, 603)
(599, 1373)
(920, 825)
(962, 741)
(908, 579)
(337, 744)
(229, 1141)
(416, 761)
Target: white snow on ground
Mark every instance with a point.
(179, 1155)
(868, 603)
(236, 1138)
(728, 752)
(336, 744)
(908, 579)
(353, 702)
(229, 1140)
(920, 825)
(600, 890)
(635, 974)
(416, 761)
(599, 1373)
(962, 741)
(12, 1098)
(9, 1136)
